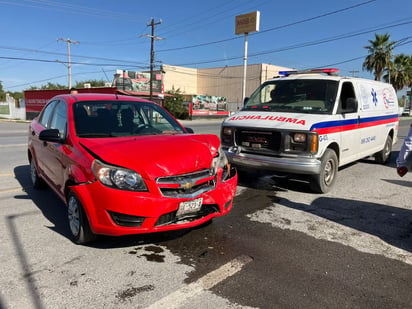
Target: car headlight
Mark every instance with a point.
(220, 160)
(118, 177)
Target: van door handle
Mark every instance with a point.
(358, 121)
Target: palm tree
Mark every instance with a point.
(380, 54)
(400, 72)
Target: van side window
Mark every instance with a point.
(347, 96)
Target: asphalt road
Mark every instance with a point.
(280, 247)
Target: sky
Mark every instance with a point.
(110, 35)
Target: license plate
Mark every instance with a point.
(189, 207)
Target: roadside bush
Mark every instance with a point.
(174, 104)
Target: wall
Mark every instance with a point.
(222, 81)
(181, 78)
(16, 111)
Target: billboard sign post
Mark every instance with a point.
(246, 23)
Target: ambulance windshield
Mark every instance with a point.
(314, 96)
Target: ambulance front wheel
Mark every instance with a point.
(324, 181)
(382, 157)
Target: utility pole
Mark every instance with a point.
(353, 72)
(153, 38)
(69, 66)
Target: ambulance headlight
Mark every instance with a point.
(227, 135)
(227, 131)
(299, 137)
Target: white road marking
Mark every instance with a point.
(12, 145)
(6, 174)
(11, 190)
(177, 298)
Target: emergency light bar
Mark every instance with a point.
(329, 71)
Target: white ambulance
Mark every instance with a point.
(312, 122)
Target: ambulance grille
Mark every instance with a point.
(259, 141)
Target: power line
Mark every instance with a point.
(301, 45)
(271, 29)
(73, 62)
(62, 54)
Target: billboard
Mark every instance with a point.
(247, 23)
(206, 105)
(137, 81)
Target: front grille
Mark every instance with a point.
(187, 185)
(258, 141)
(170, 218)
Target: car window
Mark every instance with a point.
(59, 118)
(47, 113)
(122, 118)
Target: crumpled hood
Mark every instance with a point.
(290, 121)
(156, 156)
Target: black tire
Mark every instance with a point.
(323, 182)
(78, 223)
(36, 180)
(383, 156)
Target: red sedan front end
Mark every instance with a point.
(124, 165)
(183, 188)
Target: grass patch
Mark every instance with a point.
(4, 109)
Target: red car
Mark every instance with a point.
(124, 165)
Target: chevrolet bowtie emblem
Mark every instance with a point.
(187, 185)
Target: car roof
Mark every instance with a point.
(81, 97)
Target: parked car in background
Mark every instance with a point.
(124, 165)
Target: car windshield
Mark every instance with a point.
(315, 96)
(122, 118)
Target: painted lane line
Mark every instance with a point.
(177, 298)
(11, 190)
(12, 145)
(6, 174)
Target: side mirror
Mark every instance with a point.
(189, 130)
(50, 135)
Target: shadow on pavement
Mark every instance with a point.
(391, 224)
(55, 211)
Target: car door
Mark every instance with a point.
(54, 152)
(38, 146)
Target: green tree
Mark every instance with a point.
(400, 72)
(93, 83)
(379, 55)
(49, 86)
(2, 93)
(174, 104)
(17, 95)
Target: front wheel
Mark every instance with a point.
(382, 157)
(323, 182)
(79, 225)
